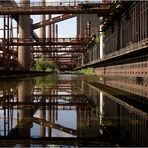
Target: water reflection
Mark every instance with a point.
(126, 123)
(65, 110)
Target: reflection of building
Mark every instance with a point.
(58, 109)
(39, 110)
(138, 86)
(126, 124)
(133, 123)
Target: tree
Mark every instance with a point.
(45, 65)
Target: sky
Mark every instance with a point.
(66, 28)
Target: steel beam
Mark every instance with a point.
(46, 41)
(53, 20)
(102, 9)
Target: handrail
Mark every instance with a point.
(43, 40)
(102, 9)
(7, 3)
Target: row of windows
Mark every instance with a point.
(113, 72)
(128, 66)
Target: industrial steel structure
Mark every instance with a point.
(111, 36)
(123, 43)
(21, 46)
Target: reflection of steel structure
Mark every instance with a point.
(121, 113)
(125, 42)
(132, 121)
(138, 86)
(24, 103)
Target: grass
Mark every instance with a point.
(87, 71)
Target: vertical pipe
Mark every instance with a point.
(53, 35)
(43, 36)
(101, 43)
(101, 107)
(24, 96)
(49, 27)
(49, 33)
(43, 116)
(43, 29)
(56, 36)
(24, 131)
(24, 32)
(8, 56)
(89, 29)
(56, 32)
(85, 33)
(4, 50)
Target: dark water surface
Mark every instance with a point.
(67, 111)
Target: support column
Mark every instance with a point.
(56, 36)
(43, 29)
(24, 32)
(101, 43)
(43, 37)
(43, 48)
(49, 34)
(82, 61)
(53, 35)
(56, 32)
(88, 30)
(101, 107)
(25, 113)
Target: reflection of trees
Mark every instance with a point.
(45, 81)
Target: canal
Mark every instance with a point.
(70, 110)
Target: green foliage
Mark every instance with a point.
(45, 65)
(45, 81)
(87, 71)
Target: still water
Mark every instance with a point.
(70, 111)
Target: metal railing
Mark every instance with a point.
(132, 47)
(8, 3)
(43, 40)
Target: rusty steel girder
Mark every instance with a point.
(52, 20)
(102, 9)
(45, 41)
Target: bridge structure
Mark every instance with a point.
(21, 46)
(114, 42)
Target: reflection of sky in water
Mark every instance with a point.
(5, 124)
(57, 133)
(35, 130)
(65, 93)
(65, 118)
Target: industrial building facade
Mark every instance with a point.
(125, 41)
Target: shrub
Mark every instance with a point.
(87, 71)
(45, 65)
